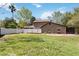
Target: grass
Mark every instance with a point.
(39, 45)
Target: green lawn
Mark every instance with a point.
(39, 45)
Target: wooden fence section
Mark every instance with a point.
(4, 31)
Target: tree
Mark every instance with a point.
(76, 10)
(56, 17)
(23, 14)
(21, 24)
(32, 20)
(75, 19)
(9, 23)
(1, 24)
(66, 18)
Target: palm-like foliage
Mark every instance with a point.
(13, 9)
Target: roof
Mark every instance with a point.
(46, 21)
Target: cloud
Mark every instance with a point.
(5, 6)
(2, 4)
(62, 9)
(37, 5)
(46, 14)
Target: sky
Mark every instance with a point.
(39, 10)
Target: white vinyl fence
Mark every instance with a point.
(14, 31)
(31, 30)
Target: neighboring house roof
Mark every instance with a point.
(41, 21)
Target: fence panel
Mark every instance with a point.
(32, 31)
(11, 31)
(8, 31)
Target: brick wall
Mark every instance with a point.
(53, 28)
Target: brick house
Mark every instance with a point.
(50, 27)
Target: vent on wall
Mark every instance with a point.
(59, 31)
